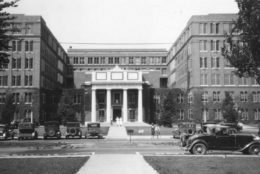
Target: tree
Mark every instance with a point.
(5, 27)
(66, 109)
(8, 109)
(243, 51)
(228, 110)
(168, 110)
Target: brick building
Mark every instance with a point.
(36, 71)
(195, 64)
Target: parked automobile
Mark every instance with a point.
(233, 125)
(93, 130)
(73, 130)
(6, 132)
(52, 130)
(219, 137)
(27, 131)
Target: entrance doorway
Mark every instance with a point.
(117, 113)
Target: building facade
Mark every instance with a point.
(195, 63)
(37, 67)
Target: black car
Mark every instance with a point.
(6, 132)
(73, 130)
(93, 130)
(27, 131)
(52, 130)
(232, 125)
(220, 138)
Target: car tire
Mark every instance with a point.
(199, 149)
(254, 149)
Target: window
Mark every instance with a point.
(110, 60)
(28, 97)
(212, 45)
(31, 46)
(203, 28)
(257, 114)
(163, 59)
(19, 45)
(28, 45)
(215, 62)
(117, 98)
(203, 45)
(181, 114)
(16, 97)
(180, 98)
(16, 80)
(216, 96)
(16, 63)
(242, 81)
(28, 63)
(132, 98)
(217, 28)
(203, 62)
(190, 98)
(217, 45)
(143, 60)
(229, 79)
(217, 114)
(253, 81)
(244, 114)
(203, 79)
(164, 71)
(77, 99)
(28, 28)
(90, 60)
(256, 96)
(96, 60)
(14, 45)
(211, 28)
(132, 115)
(2, 97)
(102, 60)
(243, 96)
(131, 60)
(3, 80)
(82, 60)
(205, 97)
(190, 115)
(215, 79)
(28, 80)
(75, 60)
(116, 60)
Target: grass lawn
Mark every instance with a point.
(204, 165)
(42, 165)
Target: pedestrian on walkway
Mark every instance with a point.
(152, 130)
(157, 130)
(120, 121)
(117, 121)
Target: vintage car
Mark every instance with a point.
(27, 131)
(52, 130)
(73, 130)
(218, 137)
(184, 128)
(6, 132)
(232, 125)
(93, 130)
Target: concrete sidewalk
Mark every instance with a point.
(117, 164)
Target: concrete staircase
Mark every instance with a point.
(117, 132)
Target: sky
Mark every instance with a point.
(120, 21)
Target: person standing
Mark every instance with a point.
(152, 130)
(117, 121)
(157, 130)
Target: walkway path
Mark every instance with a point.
(117, 164)
(117, 132)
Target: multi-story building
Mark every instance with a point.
(37, 67)
(120, 81)
(195, 63)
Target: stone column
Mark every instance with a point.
(125, 105)
(140, 105)
(93, 106)
(108, 105)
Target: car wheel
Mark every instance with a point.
(199, 149)
(254, 149)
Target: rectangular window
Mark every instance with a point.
(190, 115)
(256, 96)
(164, 71)
(143, 60)
(26, 46)
(216, 96)
(243, 96)
(242, 81)
(203, 62)
(116, 60)
(14, 45)
(212, 45)
(19, 45)
(218, 114)
(102, 60)
(244, 114)
(28, 80)
(16, 97)
(31, 46)
(75, 60)
(211, 28)
(203, 28)
(229, 79)
(203, 45)
(215, 79)
(180, 98)
(257, 114)
(110, 60)
(131, 60)
(215, 62)
(163, 59)
(82, 60)
(204, 97)
(217, 28)
(28, 97)
(190, 98)
(181, 114)
(203, 79)
(90, 60)
(96, 60)
(217, 45)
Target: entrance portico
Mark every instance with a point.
(117, 93)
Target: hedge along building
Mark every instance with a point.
(118, 82)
